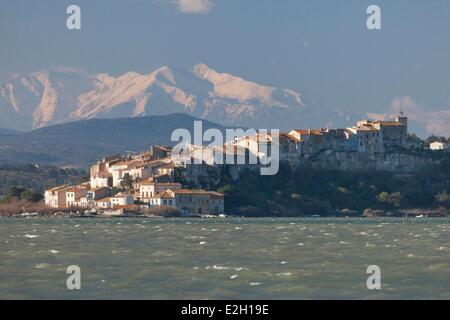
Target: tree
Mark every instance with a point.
(226, 189)
(30, 196)
(443, 199)
(14, 192)
(390, 200)
(127, 182)
(434, 138)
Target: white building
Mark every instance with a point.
(166, 198)
(103, 203)
(56, 197)
(439, 146)
(100, 180)
(149, 189)
(74, 195)
(121, 199)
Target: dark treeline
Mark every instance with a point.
(35, 179)
(296, 191)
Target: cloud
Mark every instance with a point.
(194, 6)
(434, 122)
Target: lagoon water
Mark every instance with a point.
(225, 258)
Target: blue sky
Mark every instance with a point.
(319, 48)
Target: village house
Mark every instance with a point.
(100, 172)
(104, 203)
(289, 145)
(366, 136)
(165, 169)
(56, 197)
(92, 195)
(121, 199)
(160, 152)
(439, 146)
(74, 195)
(310, 139)
(166, 198)
(190, 201)
(199, 201)
(150, 189)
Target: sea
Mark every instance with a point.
(225, 258)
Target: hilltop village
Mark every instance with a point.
(152, 179)
(121, 184)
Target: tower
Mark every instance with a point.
(401, 118)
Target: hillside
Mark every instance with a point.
(36, 178)
(295, 191)
(7, 131)
(79, 144)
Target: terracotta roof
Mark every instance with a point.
(60, 188)
(317, 132)
(167, 195)
(366, 128)
(216, 195)
(286, 136)
(151, 183)
(390, 123)
(121, 196)
(197, 192)
(301, 131)
(129, 163)
(101, 174)
(169, 165)
(146, 183)
(74, 189)
(122, 163)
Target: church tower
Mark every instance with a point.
(401, 118)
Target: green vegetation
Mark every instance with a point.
(35, 179)
(297, 191)
(434, 138)
(127, 182)
(18, 194)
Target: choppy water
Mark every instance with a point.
(225, 258)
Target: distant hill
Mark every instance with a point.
(36, 178)
(7, 131)
(78, 144)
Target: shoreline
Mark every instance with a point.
(141, 216)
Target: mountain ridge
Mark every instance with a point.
(81, 143)
(62, 95)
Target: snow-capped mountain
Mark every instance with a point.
(50, 97)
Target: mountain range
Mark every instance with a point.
(81, 143)
(61, 95)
